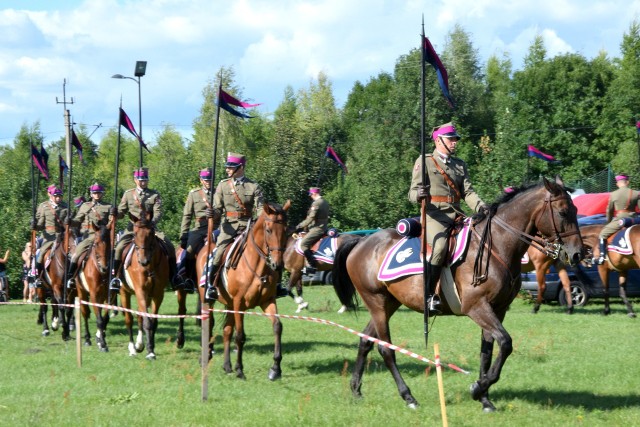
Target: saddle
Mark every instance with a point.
(412, 228)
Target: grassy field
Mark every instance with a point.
(565, 370)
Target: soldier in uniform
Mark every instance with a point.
(94, 213)
(131, 203)
(195, 212)
(450, 183)
(316, 223)
(50, 218)
(622, 204)
(236, 198)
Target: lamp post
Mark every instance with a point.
(141, 68)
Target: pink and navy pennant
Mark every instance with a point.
(225, 101)
(429, 54)
(534, 152)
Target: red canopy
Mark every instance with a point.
(592, 203)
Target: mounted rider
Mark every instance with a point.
(316, 224)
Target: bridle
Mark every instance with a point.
(266, 254)
(548, 246)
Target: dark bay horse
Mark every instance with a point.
(294, 263)
(253, 283)
(53, 281)
(93, 284)
(146, 276)
(615, 262)
(485, 297)
(540, 262)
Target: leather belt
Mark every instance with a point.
(51, 228)
(444, 199)
(238, 215)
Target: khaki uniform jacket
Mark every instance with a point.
(228, 196)
(622, 203)
(317, 216)
(50, 219)
(195, 210)
(92, 212)
(132, 201)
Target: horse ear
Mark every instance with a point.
(287, 205)
(552, 187)
(559, 181)
(267, 208)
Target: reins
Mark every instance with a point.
(262, 254)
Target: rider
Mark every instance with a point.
(132, 202)
(91, 214)
(50, 218)
(622, 204)
(195, 211)
(449, 183)
(238, 197)
(316, 222)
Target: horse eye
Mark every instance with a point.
(563, 213)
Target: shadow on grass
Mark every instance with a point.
(576, 399)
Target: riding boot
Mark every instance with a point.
(177, 282)
(603, 252)
(189, 272)
(313, 264)
(115, 282)
(211, 293)
(282, 291)
(73, 268)
(39, 271)
(433, 301)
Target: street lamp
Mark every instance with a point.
(141, 68)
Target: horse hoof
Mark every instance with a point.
(151, 356)
(72, 327)
(45, 333)
(475, 391)
(412, 405)
(606, 311)
(87, 343)
(632, 315)
(570, 310)
(488, 408)
(274, 374)
(104, 349)
(240, 375)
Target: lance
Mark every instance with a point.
(34, 204)
(426, 277)
(114, 219)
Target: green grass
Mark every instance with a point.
(564, 370)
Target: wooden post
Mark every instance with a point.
(204, 353)
(78, 332)
(443, 405)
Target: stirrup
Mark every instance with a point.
(434, 304)
(189, 286)
(600, 260)
(115, 284)
(309, 270)
(211, 294)
(71, 283)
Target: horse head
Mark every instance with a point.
(101, 246)
(144, 237)
(560, 224)
(275, 233)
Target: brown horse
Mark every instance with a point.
(54, 282)
(146, 277)
(615, 261)
(253, 283)
(484, 295)
(93, 285)
(540, 262)
(294, 263)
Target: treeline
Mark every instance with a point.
(582, 111)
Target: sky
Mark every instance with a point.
(270, 45)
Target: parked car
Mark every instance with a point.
(585, 281)
(585, 285)
(324, 277)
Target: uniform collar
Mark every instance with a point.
(239, 180)
(443, 157)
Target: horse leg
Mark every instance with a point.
(604, 277)
(364, 348)
(227, 332)
(102, 319)
(182, 310)
(492, 329)
(542, 286)
(125, 300)
(151, 323)
(84, 309)
(566, 286)
(623, 294)
(276, 371)
(240, 339)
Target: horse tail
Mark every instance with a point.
(342, 283)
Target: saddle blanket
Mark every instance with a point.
(621, 243)
(326, 251)
(403, 258)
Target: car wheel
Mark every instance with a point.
(579, 295)
(327, 277)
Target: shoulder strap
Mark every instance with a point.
(446, 178)
(233, 191)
